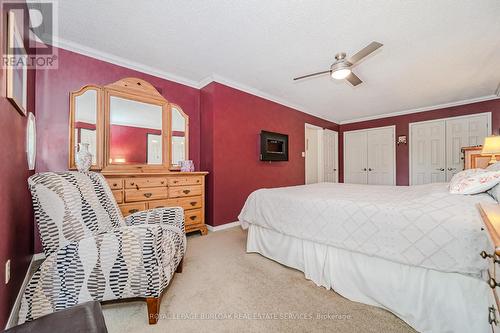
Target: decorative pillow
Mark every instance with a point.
(495, 192)
(494, 167)
(474, 181)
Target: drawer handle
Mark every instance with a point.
(493, 283)
(148, 195)
(176, 181)
(162, 182)
(193, 203)
(492, 317)
(192, 217)
(115, 184)
(132, 184)
(160, 207)
(132, 211)
(186, 191)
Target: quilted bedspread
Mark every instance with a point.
(420, 225)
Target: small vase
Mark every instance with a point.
(83, 158)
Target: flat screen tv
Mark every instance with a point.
(273, 146)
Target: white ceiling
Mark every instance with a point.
(435, 51)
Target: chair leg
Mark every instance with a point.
(153, 309)
(179, 267)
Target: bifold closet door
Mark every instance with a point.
(355, 157)
(381, 156)
(428, 152)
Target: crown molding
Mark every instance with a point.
(422, 109)
(117, 60)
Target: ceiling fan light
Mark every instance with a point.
(341, 73)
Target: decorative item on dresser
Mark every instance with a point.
(491, 218)
(139, 141)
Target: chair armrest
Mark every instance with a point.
(170, 215)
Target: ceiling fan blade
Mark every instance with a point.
(353, 79)
(364, 52)
(309, 75)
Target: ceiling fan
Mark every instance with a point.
(342, 67)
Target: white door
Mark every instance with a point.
(381, 156)
(457, 136)
(311, 155)
(478, 129)
(428, 158)
(330, 156)
(355, 157)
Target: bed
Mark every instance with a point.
(411, 250)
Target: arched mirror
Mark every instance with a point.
(179, 140)
(86, 124)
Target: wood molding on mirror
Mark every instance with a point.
(99, 126)
(132, 89)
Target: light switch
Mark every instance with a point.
(7, 271)
(303, 154)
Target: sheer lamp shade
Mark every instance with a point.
(491, 147)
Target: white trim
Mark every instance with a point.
(410, 127)
(393, 127)
(14, 313)
(117, 60)
(423, 109)
(223, 226)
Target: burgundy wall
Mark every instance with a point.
(402, 128)
(76, 70)
(16, 216)
(231, 124)
(130, 143)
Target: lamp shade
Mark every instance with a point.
(491, 145)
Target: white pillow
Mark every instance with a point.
(474, 181)
(494, 167)
(495, 192)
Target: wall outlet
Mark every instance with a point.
(7, 271)
(303, 154)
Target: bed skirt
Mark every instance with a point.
(428, 300)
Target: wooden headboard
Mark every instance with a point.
(474, 159)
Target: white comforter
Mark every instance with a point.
(421, 225)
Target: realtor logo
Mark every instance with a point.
(32, 27)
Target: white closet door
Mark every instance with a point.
(381, 156)
(312, 157)
(428, 158)
(355, 157)
(457, 136)
(478, 130)
(330, 156)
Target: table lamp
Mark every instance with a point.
(491, 146)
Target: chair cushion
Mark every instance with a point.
(70, 206)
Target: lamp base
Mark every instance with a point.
(493, 159)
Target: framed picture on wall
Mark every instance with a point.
(17, 70)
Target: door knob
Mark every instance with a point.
(440, 169)
(334, 169)
(451, 169)
(364, 169)
(370, 169)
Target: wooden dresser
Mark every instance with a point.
(491, 218)
(135, 192)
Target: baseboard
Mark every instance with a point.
(223, 226)
(17, 304)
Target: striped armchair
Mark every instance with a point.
(92, 252)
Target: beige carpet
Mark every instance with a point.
(221, 280)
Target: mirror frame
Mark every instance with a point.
(186, 135)
(140, 91)
(98, 128)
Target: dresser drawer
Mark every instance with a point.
(194, 216)
(186, 203)
(132, 208)
(139, 183)
(115, 183)
(118, 196)
(146, 194)
(181, 181)
(184, 191)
